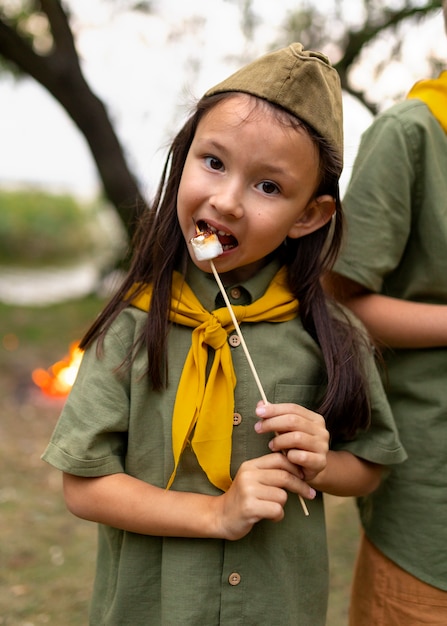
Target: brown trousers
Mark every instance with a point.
(383, 594)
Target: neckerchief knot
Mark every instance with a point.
(213, 331)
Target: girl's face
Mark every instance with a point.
(252, 180)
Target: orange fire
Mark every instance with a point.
(58, 380)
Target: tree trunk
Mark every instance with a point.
(60, 73)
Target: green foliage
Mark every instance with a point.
(37, 228)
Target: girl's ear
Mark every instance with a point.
(317, 213)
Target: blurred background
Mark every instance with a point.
(91, 93)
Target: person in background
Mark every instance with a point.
(392, 273)
(164, 441)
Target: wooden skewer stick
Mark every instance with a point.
(247, 354)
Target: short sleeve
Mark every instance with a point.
(91, 434)
(380, 443)
(377, 210)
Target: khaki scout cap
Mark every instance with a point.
(301, 81)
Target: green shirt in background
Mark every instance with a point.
(396, 208)
(278, 573)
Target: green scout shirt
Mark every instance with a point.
(396, 207)
(113, 422)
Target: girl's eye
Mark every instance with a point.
(213, 163)
(268, 187)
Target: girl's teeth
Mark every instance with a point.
(222, 233)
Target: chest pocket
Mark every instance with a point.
(309, 396)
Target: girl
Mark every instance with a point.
(163, 440)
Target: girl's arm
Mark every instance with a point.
(259, 491)
(391, 321)
(302, 434)
(347, 475)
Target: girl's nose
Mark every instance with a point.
(227, 200)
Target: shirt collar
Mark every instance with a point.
(207, 291)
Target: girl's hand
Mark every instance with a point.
(301, 434)
(259, 491)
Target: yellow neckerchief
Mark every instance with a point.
(434, 94)
(204, 407)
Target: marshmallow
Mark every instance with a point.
(206, 246)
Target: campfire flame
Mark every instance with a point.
(58, 380)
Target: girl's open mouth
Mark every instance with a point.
(227, 240)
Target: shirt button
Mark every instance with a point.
(234, 341)
(235, 293)
(234, 579)
(237, 419)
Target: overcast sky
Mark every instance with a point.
(148, 70)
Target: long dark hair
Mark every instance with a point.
(159, 248)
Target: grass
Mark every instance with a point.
(47, 555)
